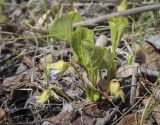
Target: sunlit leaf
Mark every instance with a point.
(122, 6)
(109, 63)
(74, 17)
(2, 18)
(122, 24)
(62, 28)
(82, 43)
(81, 38)
(117, 26)
(97, 55)
(1, 5)
(45, 96)
(92, 58)
(96, 96)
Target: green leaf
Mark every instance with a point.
(113, 31)
(62, 28)
(112, 70)
(2, 18)
(102, 58)
(122, 24)
(45, 96)
(122, 6)
(97, 55)
(117, 26)
(43, 2)
(2, 5)
(130, 59)
(74, 17)
(81, 38)
(96, 96)
(109, 63)
(92, 58)
(82, 44)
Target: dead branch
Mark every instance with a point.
(128, 12)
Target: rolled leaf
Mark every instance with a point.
(117, 26)
(81, 38)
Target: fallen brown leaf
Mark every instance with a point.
(149, 55)
(126, 70)
(131, 119)
(12, 83)
(63, 118)
(27, 60)
(152, 55)
(2, 114)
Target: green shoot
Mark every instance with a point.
(91, 58)
(117, 27)
(123, 6)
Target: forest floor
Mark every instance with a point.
(27, 44)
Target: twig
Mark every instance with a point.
(99, 19)
(23, 28)
(77, 4)
(88, 7)
(97, 1)
(128, 46)
(133, 87)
